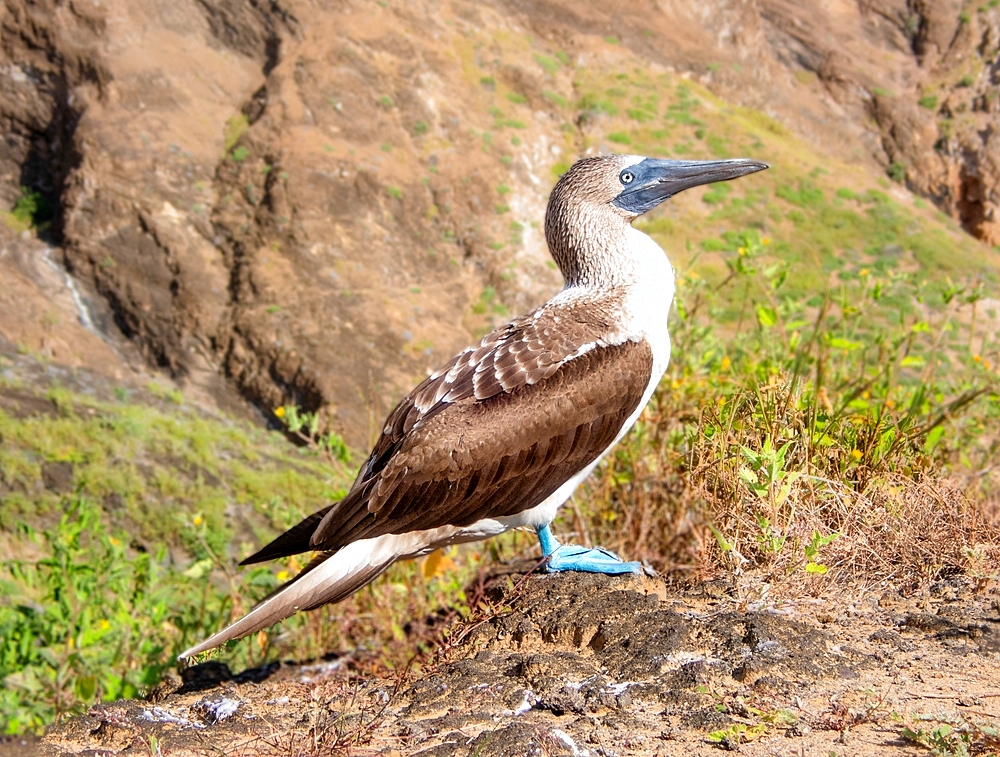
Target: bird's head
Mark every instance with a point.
(597, 196)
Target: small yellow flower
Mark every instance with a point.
(280, 411)
(675, 384)
(721, 401)
(987, 364)
(197, 520)
(105, 625)
(742, 250)
(977, 358)
(863, 272)
(726, 362)
(890, 404)
(283, 575)
(766, 241)
(856, 454)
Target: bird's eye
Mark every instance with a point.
(626, 177)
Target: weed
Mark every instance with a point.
(930, 102)
(91, 619)
(306, 428)
(30, 209)
(236, 127)
(550, 64)
(811, 422)
(952, 736)
(736, 734)
(555, 98)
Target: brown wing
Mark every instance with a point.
(496, 457)
(486, 434)
(525, 351)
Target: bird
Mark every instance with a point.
(500, 436)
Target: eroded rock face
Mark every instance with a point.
(579, 644)
(318, 204)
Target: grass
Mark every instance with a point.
(115, 575)
(31, 211)
(813, 439)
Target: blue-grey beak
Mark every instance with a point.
(653, 180)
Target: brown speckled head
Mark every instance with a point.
(594, 202)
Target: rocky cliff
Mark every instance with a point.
(321, 201)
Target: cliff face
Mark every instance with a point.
(323, 201)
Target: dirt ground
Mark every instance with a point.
(578, 664)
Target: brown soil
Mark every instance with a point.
(580, 664)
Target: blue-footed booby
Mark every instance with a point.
(501, 435)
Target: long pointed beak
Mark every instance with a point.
(654, 180)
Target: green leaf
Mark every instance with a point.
(849, 345)
(86, 687)
(199, 568)
(933, 438)
(815, 567)
(766, 316)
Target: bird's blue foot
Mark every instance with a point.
(569, 557)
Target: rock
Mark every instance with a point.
(58, 476)
(667, 675)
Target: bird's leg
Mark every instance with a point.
(568, 557)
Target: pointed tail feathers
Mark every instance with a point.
(335, 578)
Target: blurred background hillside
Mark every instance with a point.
(219, 215)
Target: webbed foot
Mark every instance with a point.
(569, 557)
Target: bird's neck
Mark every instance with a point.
(593, 249)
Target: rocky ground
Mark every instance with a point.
(578, 664)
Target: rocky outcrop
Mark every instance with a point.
(322, 204)
(574, 664)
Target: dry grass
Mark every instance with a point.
(850, 439)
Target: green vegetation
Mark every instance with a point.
(31, 211)
(930, 102)
(236, 127)
(954, 736)
(136, 558)
(93, 618)
(811, 435)
(550, 64)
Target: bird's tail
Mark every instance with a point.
(328, 578)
